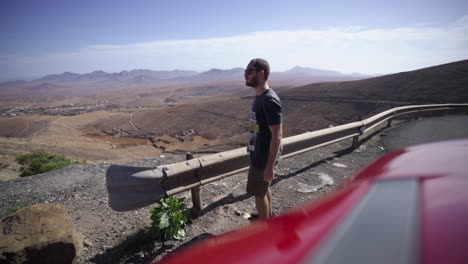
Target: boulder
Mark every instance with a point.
(42, 233)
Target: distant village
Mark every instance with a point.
(70, 109)
(63, 110)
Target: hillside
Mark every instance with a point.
(221, 123)
(446, 83)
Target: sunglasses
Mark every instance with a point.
(249, 70)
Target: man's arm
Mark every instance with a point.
(276, 135)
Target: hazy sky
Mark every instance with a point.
(40, 37)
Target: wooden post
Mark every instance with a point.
(356, 138)
(196, 193)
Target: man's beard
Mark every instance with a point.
(253, 83)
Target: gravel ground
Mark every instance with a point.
(113, 237)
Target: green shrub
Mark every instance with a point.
(40, 162)
(169, 219)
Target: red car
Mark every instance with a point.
(410, 206)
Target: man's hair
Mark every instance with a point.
(262, 64)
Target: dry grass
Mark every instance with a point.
(20, 127)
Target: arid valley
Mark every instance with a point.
(116, 118)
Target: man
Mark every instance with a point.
(265, 135)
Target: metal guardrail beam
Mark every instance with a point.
(130, 188)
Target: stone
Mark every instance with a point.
(87, 243)
(42, 233)
(304, 188)
(325, 179)
(339, 165)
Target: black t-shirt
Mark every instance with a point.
(266, 111)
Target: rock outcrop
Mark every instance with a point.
(41, 233)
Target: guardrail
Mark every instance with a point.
(131, 188)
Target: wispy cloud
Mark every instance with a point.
(354, 49)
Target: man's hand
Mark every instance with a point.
(248, 150)
(269, 174)
(276, 135)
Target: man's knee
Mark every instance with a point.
(261, 197)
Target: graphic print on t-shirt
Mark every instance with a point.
(254, 129)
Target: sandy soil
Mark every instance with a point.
(19, 127)
(63, 135)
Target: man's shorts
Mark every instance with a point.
(256, 184)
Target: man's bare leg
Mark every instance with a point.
(262, 204)
(270, 203)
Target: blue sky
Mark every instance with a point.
(43, 37)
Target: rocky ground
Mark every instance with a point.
(113, 237)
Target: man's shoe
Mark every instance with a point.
(253, 216)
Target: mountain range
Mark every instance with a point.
(143, 77)
(442, 83)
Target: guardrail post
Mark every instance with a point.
(196, 192)
(356, 138)
(389, 122)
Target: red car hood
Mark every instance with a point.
(410, 206)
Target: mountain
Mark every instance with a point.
(64, 77)
(142, 79)
(214, 81)
(100, 76)
(13, 83)
(141, 76)
(162, 75)
(94, 75)
(218, 75)
(312, 72)
(438, 84)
